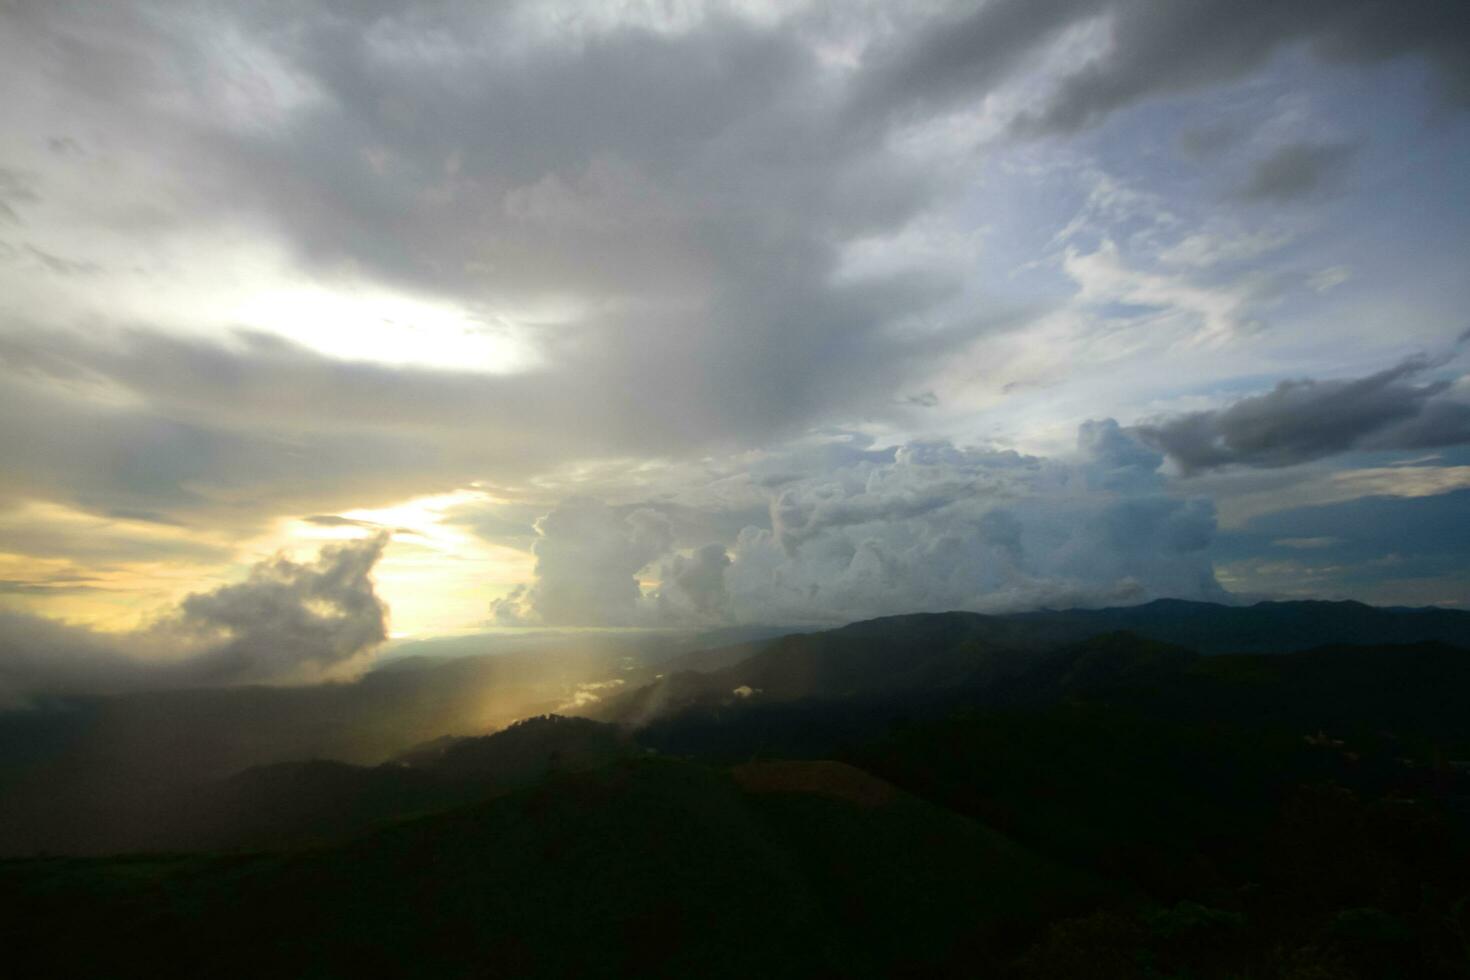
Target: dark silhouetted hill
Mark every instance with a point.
(1265, 627)
(648, 869)
(319, 801)
(931, 795)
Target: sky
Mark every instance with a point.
(323, 323)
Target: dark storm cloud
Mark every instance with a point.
(460, 172)
(666, 217)
(1304, 419)
(688, 194)
(965, 54)
(1159, 47)
(260, 426)
(287, 618)
(1295, 171)
(639, 168)
(100, 428)
(286, 622)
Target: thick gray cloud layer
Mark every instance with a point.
(678, 201)
(708, 232)
(286, 622)
(1303, 419)
(684, 197)
(1158, 47)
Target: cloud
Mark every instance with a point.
(940, 527)
(692, 588)
(922, 526)
(206, 432)
(702, 239)
(337, 520)
(1153, 48)
(287, 622)
(48, 584)
(287, 618)
(1304, 419)
(1121, 461)
(16, 188)
(652, 211)
(660, 210)
(587, 558)
(1296, 171)
(1158, 47)
(965, 55)
(1306, 543)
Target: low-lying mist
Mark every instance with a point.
(100, 773)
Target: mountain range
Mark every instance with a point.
(1175, 789)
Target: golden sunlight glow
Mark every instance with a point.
(117, 573)
(435, 575)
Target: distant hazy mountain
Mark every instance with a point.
(294, 803)
(106, 773)
(153, 770)
(1266, 627)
